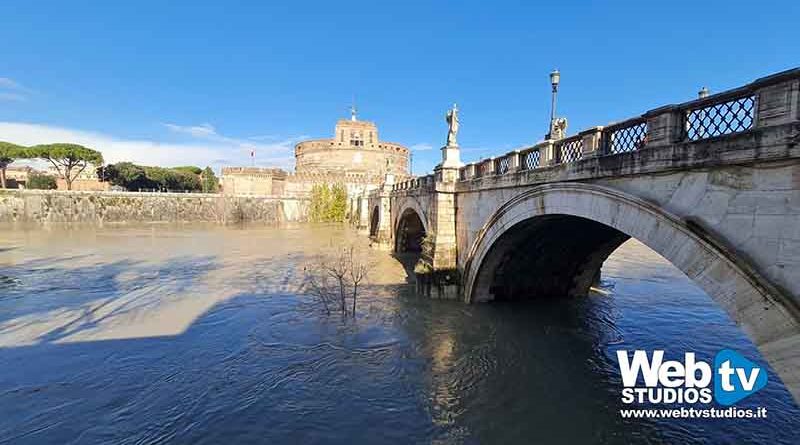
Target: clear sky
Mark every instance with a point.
(198, 82)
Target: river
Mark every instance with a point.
(205, 334)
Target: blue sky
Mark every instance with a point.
(199, 82)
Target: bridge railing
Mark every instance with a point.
(624, 137)
(425, 182)
(721, 114)
(771, 100)
(569, 149)
(529, 159)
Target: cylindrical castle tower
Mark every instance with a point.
(355, 149)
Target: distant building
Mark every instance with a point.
(17, 177)
(86, 181)
(88, 174)
(253, 181)
(355, 157)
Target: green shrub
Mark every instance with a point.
(328, 203)
(38, 181)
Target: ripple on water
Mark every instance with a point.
(206, 336)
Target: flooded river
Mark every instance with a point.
(205, 334)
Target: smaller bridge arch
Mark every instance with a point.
(410, 231)
(374, 221)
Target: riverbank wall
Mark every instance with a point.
(53, 206)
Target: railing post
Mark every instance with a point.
(547, 153)
(592, 139)
(488, 167)
(665, 126)
(470, 171)
(514, 161)
(777, 104)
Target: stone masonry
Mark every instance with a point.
(712, 185)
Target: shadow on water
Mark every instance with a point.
(98, 293)
(279, 372)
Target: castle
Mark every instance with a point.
(354, 157)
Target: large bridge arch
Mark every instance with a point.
(602, 218)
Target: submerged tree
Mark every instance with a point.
(69, 160)
(9, 153)
(336, 280)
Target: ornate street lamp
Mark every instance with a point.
(555, 77)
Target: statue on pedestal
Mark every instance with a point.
(559, 128)
(452, 122)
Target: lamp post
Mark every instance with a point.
(555, 77)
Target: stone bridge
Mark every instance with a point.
(712, 185)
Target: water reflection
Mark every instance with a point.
(203, 335)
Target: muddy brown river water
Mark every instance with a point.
(206, 334)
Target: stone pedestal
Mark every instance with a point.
(451, 157)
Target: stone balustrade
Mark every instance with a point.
(769, 101)
(423, 182)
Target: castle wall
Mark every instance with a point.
(253, 181)
(52, 206)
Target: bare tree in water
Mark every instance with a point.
(335, 278)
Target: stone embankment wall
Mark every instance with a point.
(51, 206)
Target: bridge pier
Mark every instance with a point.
(380, 221)
(437, 271)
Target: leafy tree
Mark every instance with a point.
(171, 179)
(209, 180)
(319, 199)
(69, 160)
(128, 175)
(337, 209)
(38, 181)
(189, 169)
(8, 153)
(328, 203)
(135, 177)
(186, 181)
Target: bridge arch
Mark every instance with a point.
(374, 221)
(574, 227)
(410, 228)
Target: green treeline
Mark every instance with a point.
(328, 203)
(135, 177)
